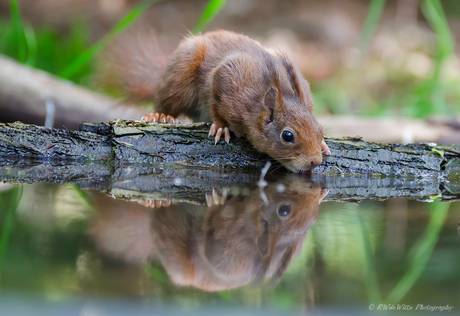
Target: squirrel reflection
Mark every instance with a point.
(224, 246)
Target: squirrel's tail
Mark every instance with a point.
(132, 64)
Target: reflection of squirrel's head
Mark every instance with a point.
(252, 238)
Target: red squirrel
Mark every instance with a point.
(232, 79)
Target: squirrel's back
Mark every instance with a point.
(186, 82)
(147, 70)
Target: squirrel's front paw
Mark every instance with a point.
(155, 203)
(215, 199)
(217, 131)
(160, 118)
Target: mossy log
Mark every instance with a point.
(133, 160)
(135, 142)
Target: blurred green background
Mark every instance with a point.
(377, 57)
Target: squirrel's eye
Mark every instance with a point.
(284, 210)
(288, 137)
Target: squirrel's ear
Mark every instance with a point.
(263, 238)
(270, 104)
(273, 100)
(285, 261)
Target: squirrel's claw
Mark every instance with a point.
(325, 148)
(155, 203)
(215, 198)
(160, 118)
(217, 132)
(227, 135)
(151, 117)
(212, 130)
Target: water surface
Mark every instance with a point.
(160, 240)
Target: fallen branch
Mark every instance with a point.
(393, 129)
(135, 142)
(25, 92)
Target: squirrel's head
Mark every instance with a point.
(289, 132)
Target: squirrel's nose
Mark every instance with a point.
(315, 163)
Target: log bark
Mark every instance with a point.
(136, 160)
(136, 142)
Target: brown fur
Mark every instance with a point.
(226, 77)
(247, 240)
(218, 248)
(132, 65)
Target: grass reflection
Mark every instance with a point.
(370, 279)
(9, 201)
(421, 252)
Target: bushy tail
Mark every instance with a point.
(130, 66)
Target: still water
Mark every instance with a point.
(159, 243)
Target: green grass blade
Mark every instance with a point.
(18, 27)
(370, 25)
(436, 92)
(157, 274)
(31, 41)
(83, 196)
(421, 252)
(434, 13)
(78, 63)
(132, 16)
(212, 9)
(5, 41)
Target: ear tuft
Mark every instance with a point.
(292, 76)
